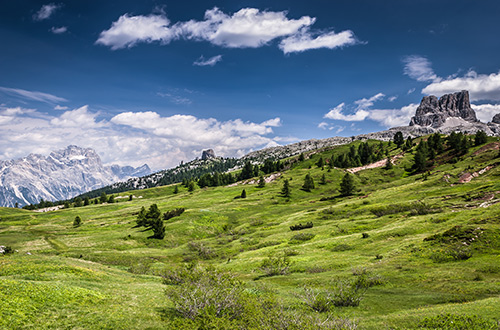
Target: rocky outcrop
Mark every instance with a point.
(496, 119)
(435, 112)
(206, 154)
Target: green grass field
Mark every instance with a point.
(430, 245)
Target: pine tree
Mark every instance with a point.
(103, 199)
(308, 183)
(398, 139)
(158, 228)
(388, 163)
(320, 162)
(78, 202)
(141, 218)
(243, 194)
(347, 185)
(262, 182)
(323, 179)
(285, 191)
(480, 138)
(111, 199)
(301, 157)
(77, 222)
(191, 186)
(176, 189)
(86, 201)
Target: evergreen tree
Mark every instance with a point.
(130, 197)
(323, 179)
(320, 162)
(243, 194)
(262, 182)
(398, 139)
(176, 189)
(285, 191)
(247, 171)
(302, 157)
(16, 205)
(86, 201)
(420, 161)
(191, 186)
(408, 144)
(308, 183)
(66, 205)
(480, 138)
(141, 218)
(77, 222)
(158, 228)
(388, 163)
(111, 199)
(347, 185)
(78, 202)
(104, 198)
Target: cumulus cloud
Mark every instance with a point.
(485, 112)
(34, 96)
(365, 103)
(480, 86)
(130, 30)
(394, 117)
(246, 28)
(131, 138)
(45, 12)
(305, 41)
(59, 30)
(208, 62)
(419, 68)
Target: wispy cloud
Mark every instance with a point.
(45, 12)
(208, 62)
(59, 30)
(246, 28)
(419, 68)
(175, 98)
(34, 96)
(337, 113)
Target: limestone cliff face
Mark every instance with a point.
(496, 119)
(433, 112)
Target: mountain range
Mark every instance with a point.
(61, 175)
(75, 171)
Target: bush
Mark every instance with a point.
(205, 252)
(301, 226)
(276, 265)
(77, 222)
(347, 294)
(455, 252)
(456, 321)
(173, 213)
(302, 237)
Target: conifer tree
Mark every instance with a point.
(262, 182)
(104, 198)
(158, 228)
(285, 191)
(243, 194)
(308, 183)
(388, 163)
(141, 218)
(176, 189)
(480, 138)
(77, 222)
(323, 179)
(347, 185)
(301, 157)
(398, 139)
(86, 201)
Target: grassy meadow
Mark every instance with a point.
(426, 249)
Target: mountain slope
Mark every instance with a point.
(62, 175)
(425, 248)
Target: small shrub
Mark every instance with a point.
(318, 301)
(347, 294)
(316, 270)
(203, 251)
(379, 257)
(301, 226)
(455, 252)
(456, 321)
(302, 237)
(276, 265)
(365, 235)
(173, 213)
(291, 252)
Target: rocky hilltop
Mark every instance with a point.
(61, 175)
(435, 112)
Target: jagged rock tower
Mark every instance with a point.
(433, 112)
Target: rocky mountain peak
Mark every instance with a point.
(434, 112)
(496, 119)
(206, 154)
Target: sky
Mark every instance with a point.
(157, 82)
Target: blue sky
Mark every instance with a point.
(158, 81)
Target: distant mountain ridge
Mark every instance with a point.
(61, 175)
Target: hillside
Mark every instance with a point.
(412, 249)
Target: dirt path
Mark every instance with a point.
(380, 163)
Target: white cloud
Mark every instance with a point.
(480, 86)
(394, 117)
(419, 68)
(323, 125)
(246, 28)
(305, 41)
(336, 114)
(208, 62)
(485, 112)
(411, 91)
(34, 96)
(392, 98)
(59, 30)
(130, 30)
(60, 107)
(367, 103)
(45, 12)
(131, 138)
(175, 98)
(81, 118)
